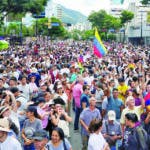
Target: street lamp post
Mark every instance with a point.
(141, 28)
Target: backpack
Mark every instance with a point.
(142, 138)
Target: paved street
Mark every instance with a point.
(75, 136)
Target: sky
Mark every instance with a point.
(85, 6)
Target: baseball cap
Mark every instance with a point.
(111, 115)
(29, 132)
(40, 135)
(4, 125)
(31, 109)
(13, 78)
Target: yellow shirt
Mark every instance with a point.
(138, 110)
(122, 89)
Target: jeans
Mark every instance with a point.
(77, 115)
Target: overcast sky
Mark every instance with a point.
(85, 6)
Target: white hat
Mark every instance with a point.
(59, 86)
(111, 115)
(33, 70)
(4, 125)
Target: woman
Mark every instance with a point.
(96, 140)
(31, 125)
(58, 141)
(135, 137)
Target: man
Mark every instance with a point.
(113, 103)
(84, 100)
(21, 103)
(122, 89)
(111, 129)
(40, 139)
(87, 115)
(25, 88)
(131, 108)
(7, 142)
(77, 91)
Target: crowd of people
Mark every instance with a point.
(43, 82)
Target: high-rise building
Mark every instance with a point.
(117, 1)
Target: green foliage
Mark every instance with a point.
(104, 21)
(21, 7)
(145, 2)
(56, 31)
(87, 35)
(126, 16)
(148, 17)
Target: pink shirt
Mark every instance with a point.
(77, 91)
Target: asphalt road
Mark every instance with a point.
(75, 136)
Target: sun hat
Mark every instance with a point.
(4, 125)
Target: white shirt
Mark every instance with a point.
(10, 144)
(96, 142)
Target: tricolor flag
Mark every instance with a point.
(99, 48)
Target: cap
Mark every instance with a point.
(111, 115)
(29, 132)
(3, 109)
(14, 89)
(40, 100)
(13, 78)
(40, 135)
(59, 86)
(31, 109)
(4, 125)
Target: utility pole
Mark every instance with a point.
(141, 28)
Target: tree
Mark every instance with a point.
(21, 6)
(57, 29)
(126, 17)
(104, 21)
(145, 2)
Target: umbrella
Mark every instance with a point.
(3, 45)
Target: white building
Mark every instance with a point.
(138, 30)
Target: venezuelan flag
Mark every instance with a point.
(99, 48)
(147, 101)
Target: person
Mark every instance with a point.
(111, 129)
(7, 142)
(113, 103)
(135, 137)
(87, 115)
(77, 91)
(96, 139)
(122, 89)
(40, 139)
(25, 88)
(29, 127)
(58, 141)
(130, 102)
(84, 100)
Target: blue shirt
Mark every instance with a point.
(84, 99)
(87, 116)
(113, 104)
